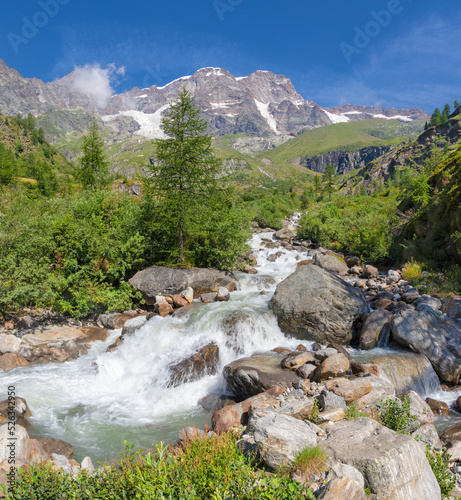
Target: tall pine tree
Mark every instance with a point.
(94, 168)
(185, 169)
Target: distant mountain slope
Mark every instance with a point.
(262, 104)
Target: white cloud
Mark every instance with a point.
(95, 81)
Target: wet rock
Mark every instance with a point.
(208, 297)
(336, 365)
(301, 348)
(314, 304)
(179, 301)
(458, 404)
(438, 407)
(279, 438)
(437, 338)
(349, 389)
(342, 488)
(282, 350)
(188, 294)
(374, 328)
(360, 369)
(302, 263)
(286, 233)
(17, 405)
(393, 465)
(11, 360)
(157, 280)
(132, 325)
(203, 362)
(163, 309)
(237, 414)
(214, 402)
(297, 359)
(9, 343)
(223, 294)
(58, 446)
(247, 377)
(113, 347)
(114, 321)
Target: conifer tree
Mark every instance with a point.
(329, 180)
(436, 118)
(456, 105)
(185, 168)
(446, 113)
(94, 168)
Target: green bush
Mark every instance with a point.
(359, 224)
(396, 414)
(438, 461)
(208, 468)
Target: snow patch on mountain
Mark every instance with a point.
(264, 110)
(150, 123)
(336, 118)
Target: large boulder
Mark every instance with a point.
(314, 304)
(11, 360)
(247, 377)
(202, 362)
(335, 365)
(342, 488)
(157, 280)
(280, 438)
(332, 263)
(62, 334)
(394, 466)
(437, 337)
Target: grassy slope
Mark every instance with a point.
(352, 134)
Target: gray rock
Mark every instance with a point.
(280, 438)
(300, 409)
(393, 276)
(313, 304)
(323, 354)
(87, 464)
(306, 371)
(223, 294)
(452, 306)
(133, 325)
(394, 466)
(373, 328)
(344, 470)
(297, 359)
(432, 302)
(203, 362)
(247, 377)
(427, 434)
(208, 297)
(157, 280)
(437, 338)
(381, 389)
(9, 343)
(331, 263)
(286, 233)
(329, 401)
(342, 488)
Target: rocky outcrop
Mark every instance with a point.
(393, 465)
(203, 362)
(374, 327)
(247, 377)
(314, 304)
(343, 159)
(436, 337)
(157, 280)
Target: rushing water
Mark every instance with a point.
(99, 400)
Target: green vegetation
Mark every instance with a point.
(359, 224)
(353, 412)
(439, 461)
(311, 461)
(94, 168)
(396, 414)
(208, 468)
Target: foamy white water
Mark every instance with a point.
(98, 401)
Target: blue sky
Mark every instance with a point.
(402, 53)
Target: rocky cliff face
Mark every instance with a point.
(417, 153)
(262, 104)
(343, 159)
